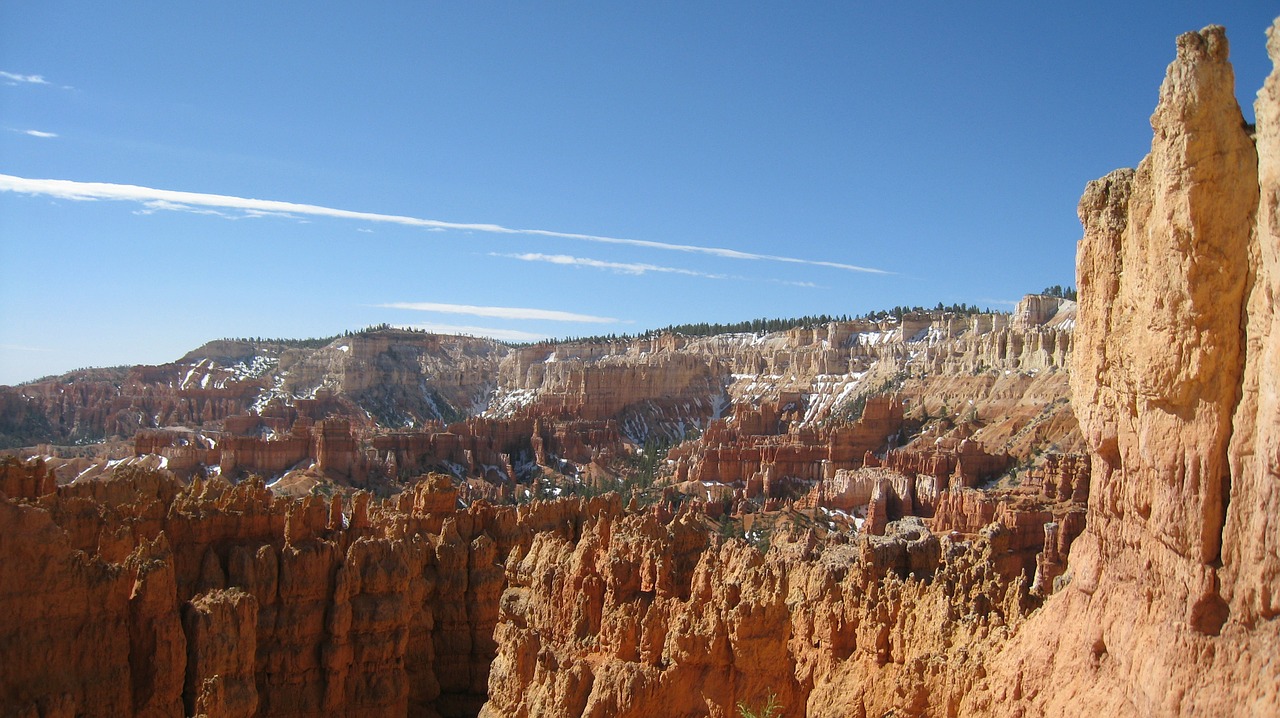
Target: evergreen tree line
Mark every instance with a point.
(901, 311)
(754, 326)
(385, 327)
(706, 329)
(1060, 292)
(758, 326)
(309, 343)
(317, 342)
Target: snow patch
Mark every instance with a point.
(505, 403)
(871, 339)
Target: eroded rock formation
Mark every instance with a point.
(657, 387)
(133, 595)
(634, 619)
(1171, 604)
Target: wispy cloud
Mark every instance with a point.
(161, 205)
(71, 189)
(14, 78)
(22, 348)
(638, 268)
(510, 335)
(621, 267)
(789, 283)
(39, 133)
(715, 251)
(500, 312)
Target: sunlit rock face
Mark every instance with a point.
(1172, 603)
(135, 595)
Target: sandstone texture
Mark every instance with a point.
(1171, 606)
(777, 411)
(144, 597)
(633, 619)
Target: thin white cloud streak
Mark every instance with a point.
(40, 133)
(499, 312)
(163, 206)
(71, 189)
(510, 335)
(158, 205)
(636, 268)
(22, 348)
(789, 283)
(29, 79)
(715, 251)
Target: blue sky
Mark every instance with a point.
(299, 169)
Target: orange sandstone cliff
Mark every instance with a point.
(1175, 582)
(133, 595)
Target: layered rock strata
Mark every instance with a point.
(487, 449)
(762, 446)
(653, 387)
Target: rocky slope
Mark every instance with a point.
(636, 619)
(226, 600)
(659, 387)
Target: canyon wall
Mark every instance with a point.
(402, 378)
(134, 595)
(1171, 606)
(1250, 543)
(655, 388)
(634, 618)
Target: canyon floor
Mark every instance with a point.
(1062, 510)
